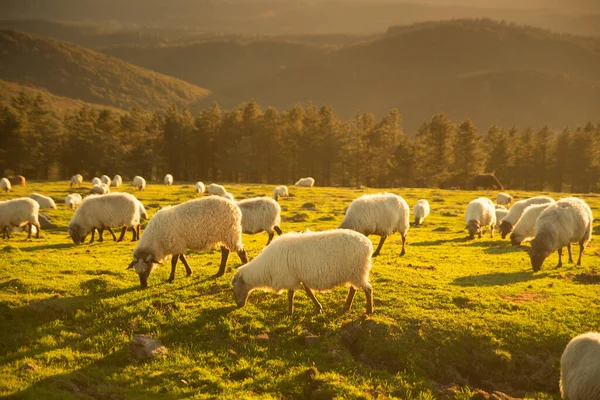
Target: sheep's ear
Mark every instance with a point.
(131, 265)
(154, 261)
(148, 258)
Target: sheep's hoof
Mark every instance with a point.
(170, 280)
(318, 310)
(189, 273)
(218, 275)
(374, 255)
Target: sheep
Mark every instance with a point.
(580, 368)
(100, 189)
(565, 221)
(143, 213)
(421, 211)
(199, 187)
(73, 200)
(76, 180)
(317, 260)
(18, 180)
(101, 212)
(5, 185)
(524, 228)
(168, 179)
(515, 212)
(379, 214)
(43, 201)
(260, 214)
(19, 212)
(215, 189)
(280, 191)
(197, 224)
(139, 182)
(117, 181)
(500, 213)
(106, 180)
(306, 182)
(229, 196)
(504, 199)
(480, 213)
(96, 181)
(500, 207)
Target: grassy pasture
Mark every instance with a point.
(452, 317)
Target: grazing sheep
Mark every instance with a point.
(117, 181)
(76, 180)
(580, 368)
(480, 213)
(73, 200)
(306, 182)
(200, 187)
(43, 201)
(515, 212)
(500, 207)
(5, 185)
(139, 182)
(143, 213)
(18, 180)
(96, 181)
(524, 229)
(19, 212)
(100, 189)
(101, 212)
(500, 213)
(317, 260)
(260, 214)
(504, 199)
(229, 196)
(379, 214)
(197, 224)
(280, 191)
(215, 189)
(168, 179)
(106, 180)
(421, 211)
(568, 220)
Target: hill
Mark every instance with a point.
(76, 72)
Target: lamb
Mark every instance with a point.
(197, 224)
(139, 182)
(43, 201)
(215, 189)
(76, 180)
(421, 211)
(101, 212)
(19, 212)
(100, 189)
(480, 213)
(96, 181)
(18, 180)
(500, 213)
(73, 200)
(117, 181)
(5, 185)
(199, 187)
(580, 368)
(280, 191)
(526, 225)
(379, 214)
(504, 199)
(317, 260)
(568, 220)
(260, 214)
(306, 182)
(106, 180)
(168, 179)
(515, 212)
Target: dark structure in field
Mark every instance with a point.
(484, 181)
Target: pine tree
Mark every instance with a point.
(468, 152)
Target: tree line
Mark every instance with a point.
(247, 144)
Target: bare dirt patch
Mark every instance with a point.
(525, 297)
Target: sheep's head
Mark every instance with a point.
(515, 239)
(143, 265)
(241, 289)
(77, 233)
(505, 228)
(474, 228)
(538, 252)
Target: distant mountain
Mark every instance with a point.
(76, 72)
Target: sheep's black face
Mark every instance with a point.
(537, 258)
(143, 267)
(474, 229)
(514, 240)
(505, 228)
(77, 234)
(241, 290)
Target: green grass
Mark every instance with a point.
(452, 317)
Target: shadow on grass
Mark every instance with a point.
(49, 246)
(441, 241)
(498, 278)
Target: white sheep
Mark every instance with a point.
(317, 260)
(306, 182)
(102, 212)
(73, 200)
(117, 181)
(5, 185)
(96, 181)
(524, 229)
(260, 214)
(501, 212)
(568, 220)
(421, 211)
(143, 213)
(580, 368)
(100, 189)
(168, 179)
(379, 214)
(106, 180)
(139, 182)
(215, 189)
(515, 212)
(199, 187)
(19, 212)
(229, 196)
(43, 201)
(197, 224)
(76, 180)
(280, 191)
(504, 199)
(480, 213)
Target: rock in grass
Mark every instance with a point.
(144, 347)
(29, 367)
(311, 340)
(262, 338)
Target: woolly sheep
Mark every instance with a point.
(73, 200)
(18, 180)
(100, 189)
(117, 181)
(200, 187)
(96, 181)
(260, 214)
(19, 212)
(107, 211)
(421, 211)
(504, 199)
(197, 224)
(280, 191)
(580, 368)
(143, 213)
(500, 213)
(317, 260)
(306, 182)
(229, 196)
(168, 179)
(5, 185)
(43, 201)
(568, 220)
(379, 214)
(139, 182)
(106, 180)
(480, 213)
(215, 189)
(524, 228)
(76, 179)
(515, 212)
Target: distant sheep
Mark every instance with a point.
(96, 181)
(106, 180)
(568, 220)
(421, 211)
(280, 191)
(73, 200)
(515, 212)
(316, 260)
(261, 214)
(199, 187)
(44, 201)
(117, 181)
(19, 212)
(5, 185)
(480, 213)
(306, 182)
(504, 199)
(218, 190)
(76, 180)
(18, 180)
(524, 229)
(379, 214)
(580, 368)
(229, 196)
(168, 179)
(139, 182)
(100, 189)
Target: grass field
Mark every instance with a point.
(452, 317)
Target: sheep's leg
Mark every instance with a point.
(39, 229)
(570, 254)
(185, 264)
(93, 233)
(137, 231)
(581, 248)
(480, 234)
(29, 225)
(133, 234)
(173, 265)
(559, 251)
(271, 234)
(350, 298)
(224, 256)
(123, 230)
(380, 245)
(243, 257)
(369, 297)
(403, 252)
(290, 301)
(311, 295)
(101, 234)
(278, 230)
(492, 231)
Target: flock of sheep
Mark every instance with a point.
(313, 260)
